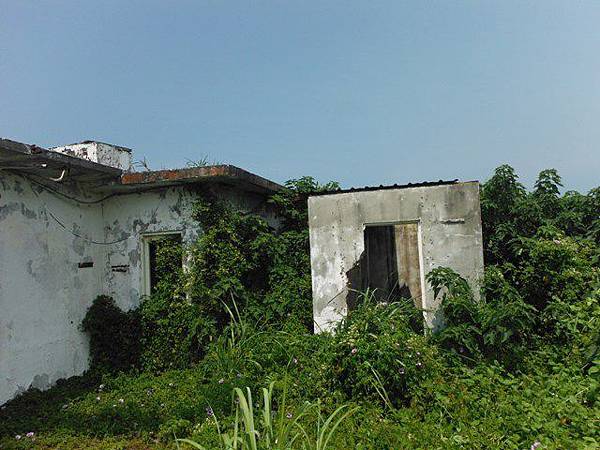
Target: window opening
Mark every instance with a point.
(163, 260)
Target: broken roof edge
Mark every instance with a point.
(393, 186)
(92, 141)
(37, 152)
(196, 174)
(37, 160)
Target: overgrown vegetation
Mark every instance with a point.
(519, 369)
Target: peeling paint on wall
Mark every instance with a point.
(44, 290)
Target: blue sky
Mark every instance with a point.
(371, 92)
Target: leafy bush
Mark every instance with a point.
(239, 256)
(496, 327)
(378, 355)
(114, 335)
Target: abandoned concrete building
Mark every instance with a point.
(76, 221)
(387, 239)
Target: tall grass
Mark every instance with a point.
(270, 429)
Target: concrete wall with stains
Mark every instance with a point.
(128, 218)
(449, 221)
(44, 293)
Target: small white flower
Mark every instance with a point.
(98, 398)
(18, 437)
(121, 400)
(30, 434)
(221, 381)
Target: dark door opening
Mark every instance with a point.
(393, 262)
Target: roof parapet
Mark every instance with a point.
(99, 152)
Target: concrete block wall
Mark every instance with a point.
(449, 222)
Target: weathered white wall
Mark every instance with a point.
(43, 292)
(44, 295)
(450, 226)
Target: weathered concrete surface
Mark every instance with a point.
(44, 294)
(99, 152)
(449, 227)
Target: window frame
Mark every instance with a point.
(146, 239)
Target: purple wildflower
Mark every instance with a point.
(535, 445)
(401, 370)
(289, 415)
(30, 434)
(354, 351)
(209, 411)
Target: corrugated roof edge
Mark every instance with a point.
(392, 186)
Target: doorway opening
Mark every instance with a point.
(393, 262)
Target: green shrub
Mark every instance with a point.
(496, 327)
(378, 355)
(114, 335)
